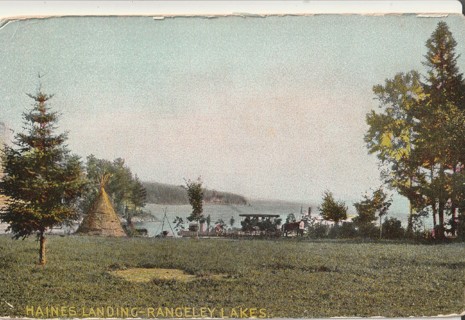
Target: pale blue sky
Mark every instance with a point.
(266, 107)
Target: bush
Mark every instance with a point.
(368, 230)
(194, 227)
(317, 231)
(392, 229)
(334, 232)
(348, 230)
(344, 231)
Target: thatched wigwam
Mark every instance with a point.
(102, 220)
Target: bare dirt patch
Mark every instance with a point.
(149, 274)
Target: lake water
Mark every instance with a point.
(216, 211)
(225, 212)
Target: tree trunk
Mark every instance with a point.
(380, 228)
(410, 215)
(441, 220)
(453, 209)
(42, 259)
(454, 218)
(129, 222)
(410, 221)
(441, 206)
(434, 216)
(433, 204)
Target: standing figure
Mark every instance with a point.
(301, 228)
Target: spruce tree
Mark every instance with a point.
(42, 179)
(441, 127)
(444, 80)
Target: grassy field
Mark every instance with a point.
(288, 278)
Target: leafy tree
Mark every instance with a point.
(331, 209)
(371, 206)
(138, 194)
(195, 195)
(392, 229)
(127, 192)
(95, 170)
(42, 180)
(366, 213)
(121, 184)
(391, 136)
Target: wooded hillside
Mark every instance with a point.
(161, 193)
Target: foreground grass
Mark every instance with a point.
(287, 278)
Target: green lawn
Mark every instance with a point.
(288, 278)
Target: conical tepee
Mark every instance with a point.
(102, 220)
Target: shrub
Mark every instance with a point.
(348, 230)
(392, 229)
(343, 231)
(368, 230)
(333, 232)
(317, 231)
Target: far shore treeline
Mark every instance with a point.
(161, 193)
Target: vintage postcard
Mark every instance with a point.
(233, 165)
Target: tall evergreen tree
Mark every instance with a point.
(444, 80)
(442, 126)
(42, 180)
